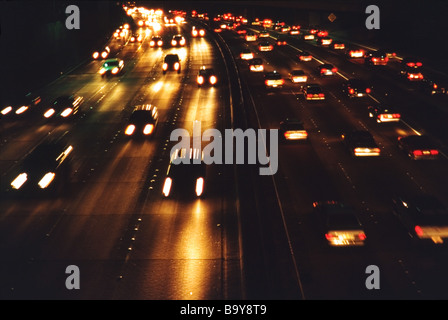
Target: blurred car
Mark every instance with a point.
(383, 114)
(171, 62)
(339, 224)
(412, 73)
(263, 34)
(66, 106)
(356, 53)
(206, 76)
(322, 33)
(136, 37)
(265, 46)
(418, 147)
(281, 41)
(326, 69)
(185, 178)
(143, 121)
(309, 37)
(376, 58)
(246, 54)
(156, 41)
(197, 32)
(423, 216)
(412, 62)
(431, 87)
(273, 79)
(313, 91)
(325, 41)
(19, 108)
(305, 56)
(46, 168)
(298, 76)
(256, 65)
(360, 143)
(102, 53)
(292, 129)
(338, 46)
(356, 88)
(178, 41)
(112, 66)
(250, 36)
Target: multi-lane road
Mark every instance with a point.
(250, 236)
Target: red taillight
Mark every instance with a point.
(434, 152)
(396, 115)
(418, 231)
(368, 90)
(323, 70)
(418, 64)
(362, 236)
(334, 70)
(328, 236)
(309, 95)
(321, 95)
(351, 91)
(410, 64)
(417, 152)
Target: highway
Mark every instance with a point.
(249, 236)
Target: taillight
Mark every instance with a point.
(368, 90)
(418, 231)
(396, 115)
(309, 95)
(351, 91)
(417, 152)
(418, 64)
(410, 64)
(321, 95)
(334, 70)
(328, 236)
(434, 152)
(362, 236)
(323, 70)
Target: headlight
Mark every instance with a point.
(49, 113)
(200, 80)
(213, 79)
(173, 42)
(176, 66)
(115, 70)
(22, 109)
(194, 33)
(167, 187)
(46, 180)
(95, 55)
(199, 186)
(201, 32)
(6, 110)
(159, 43)
(66, 112)
(152, 43)
(19, 181)
(148, 129)
(165, 66)
(130, 129)
(102, 71)
(104, 54)
(182, 42)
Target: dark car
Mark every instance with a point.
(64, 107)
(423, 216)
(412, 73)
(178, 41)
(339, 224)
(356, 88)
(171, 62)
(46, 168)
(185, 178)
(376, 58)
(326, 69)
(313, 91)
(156, 41)
(361, 143)
(20, 108)
(432, 87)
(101, 53)
(256, 65)
(273, 79)
(418, 147)
(281, 41)
(206, 76)
(383, 114)
(143, 121)
(305, 56)
(292, 129)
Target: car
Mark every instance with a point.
(298, 76)
(412, 73)
(184, 176)
(338, 46)
(418, 147)
(265, 46)
(313, 91)
(361, 143)
(273, 79)
(256, 65)
(432, 87)
(423, 216)
(292, 129)
(309, 37)
(156, 41)
(143, 121)
(178, 40)
(250, 36)
(412, 62)
(246, 54)
(136, 37)
(281, 41)
(20, 108)
(305, 56)
(326, 69)
(65, 107)
(325, 41)
(171, 62)
(112, 66)
(206, 76)
(356, 53)
(101, 53)
(45, 169)
(383, 114)
(263, 34)
(322, 33)
(339, 224)
(197, 32)
(376, 58)
(356, 87)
